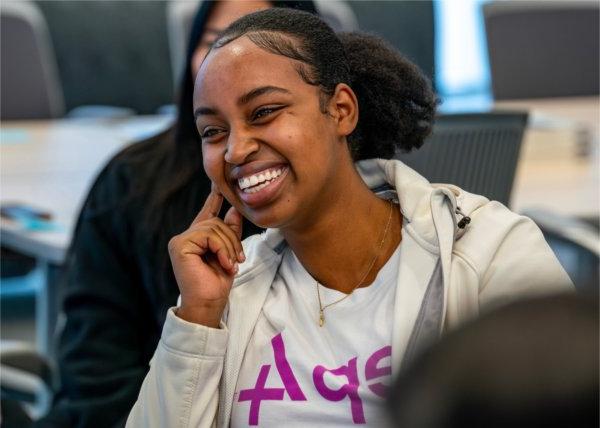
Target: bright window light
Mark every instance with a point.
(461, 54)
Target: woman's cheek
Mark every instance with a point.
(212, 164)
(215, 168)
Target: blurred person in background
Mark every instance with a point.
(529, 364)
(118, 282)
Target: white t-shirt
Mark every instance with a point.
(297, 374)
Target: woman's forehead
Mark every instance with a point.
(242, 64)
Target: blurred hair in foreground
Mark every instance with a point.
(530, 364)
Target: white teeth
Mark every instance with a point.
(256, 182)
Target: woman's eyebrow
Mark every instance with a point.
(204, 111)
(257, 92)
(244, 99)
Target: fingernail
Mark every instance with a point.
(241, 256)
(231, 263)
(235, 267)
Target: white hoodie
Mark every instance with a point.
(498, 257)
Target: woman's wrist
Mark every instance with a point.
(207, 315)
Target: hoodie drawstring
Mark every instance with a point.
(465, 218)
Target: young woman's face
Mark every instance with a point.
(265, 142)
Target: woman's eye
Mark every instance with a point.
(208, 133)
(263, 112)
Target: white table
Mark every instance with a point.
(578, 113)
(552, 175)
(51, 165)
(558, 167)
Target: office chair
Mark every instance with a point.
(118, 60)
(477, 152)
(31, 88)
(542, 49)
(27, 379)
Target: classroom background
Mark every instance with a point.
(518, 122)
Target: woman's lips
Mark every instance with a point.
(260, 191)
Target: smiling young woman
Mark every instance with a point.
(363, 262)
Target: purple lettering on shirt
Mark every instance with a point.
(350, 389)
(259, 393)
(285, 370)
(373, 372)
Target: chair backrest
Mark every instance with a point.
(543, 48)
(408, 25)
(477, 152)
(31, 88)
(111, 53)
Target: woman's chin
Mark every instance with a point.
(265, 220)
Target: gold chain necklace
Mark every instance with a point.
(321, 307)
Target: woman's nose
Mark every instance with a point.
(240, 145)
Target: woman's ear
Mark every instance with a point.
(344, 108)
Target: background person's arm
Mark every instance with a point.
(110, 331)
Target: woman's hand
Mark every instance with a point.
(205, 259)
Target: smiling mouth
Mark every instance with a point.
(258, 181)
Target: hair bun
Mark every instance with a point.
(396, 100)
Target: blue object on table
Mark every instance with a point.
(13, 136)
(37, 225)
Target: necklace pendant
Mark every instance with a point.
(321, 318)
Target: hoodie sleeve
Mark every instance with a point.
(500, 258)
(510, 257)
(523, 266)
(182, 387)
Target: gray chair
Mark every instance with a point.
(27, 379)
(477, 152)
(31, 87)
(542, 48)
(408, 25)
(110, 53)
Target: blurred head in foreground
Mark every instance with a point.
(530, 364)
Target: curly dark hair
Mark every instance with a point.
(397, 103)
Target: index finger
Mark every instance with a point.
(211, 206)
